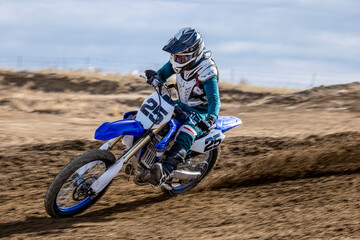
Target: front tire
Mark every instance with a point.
(67, 195)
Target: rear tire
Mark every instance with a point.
(65, 177)
(182, 189)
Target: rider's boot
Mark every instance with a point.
(161, 171)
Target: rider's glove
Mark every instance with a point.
(152, 78)
(205, 125)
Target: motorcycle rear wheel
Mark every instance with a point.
(177, 188)
(67, 195)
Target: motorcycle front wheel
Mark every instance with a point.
(68, 194)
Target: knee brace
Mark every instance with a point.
(189, 130)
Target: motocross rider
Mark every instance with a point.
(197, 86)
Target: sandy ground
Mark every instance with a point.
(291, 171)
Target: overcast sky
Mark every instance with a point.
(262, 41)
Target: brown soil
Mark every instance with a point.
(291, 171)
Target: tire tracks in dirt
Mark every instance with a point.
(268, 175)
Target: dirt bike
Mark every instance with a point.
(147, 135)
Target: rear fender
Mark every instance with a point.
(112, 130)
(225, 123)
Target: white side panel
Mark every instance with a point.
(149, 112)
(209, 142)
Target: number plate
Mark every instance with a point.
(151, 113)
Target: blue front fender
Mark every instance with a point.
(111, 130)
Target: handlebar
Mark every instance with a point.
(159, 84)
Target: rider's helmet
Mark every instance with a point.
(186, 49)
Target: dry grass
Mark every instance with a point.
(76, 74)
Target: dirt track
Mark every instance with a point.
(292, 171)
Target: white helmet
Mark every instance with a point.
(186, 49)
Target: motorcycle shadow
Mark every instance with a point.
(44, 225)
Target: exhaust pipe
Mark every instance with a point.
(185, 175)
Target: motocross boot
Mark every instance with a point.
(160, 172)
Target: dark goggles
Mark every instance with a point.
(182, 58)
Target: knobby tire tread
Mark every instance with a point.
(215, 153)
(66, 172)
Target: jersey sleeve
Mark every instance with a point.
(212, 94)
(165, 72)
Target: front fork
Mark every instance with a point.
(108, 145)
(114, 169)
